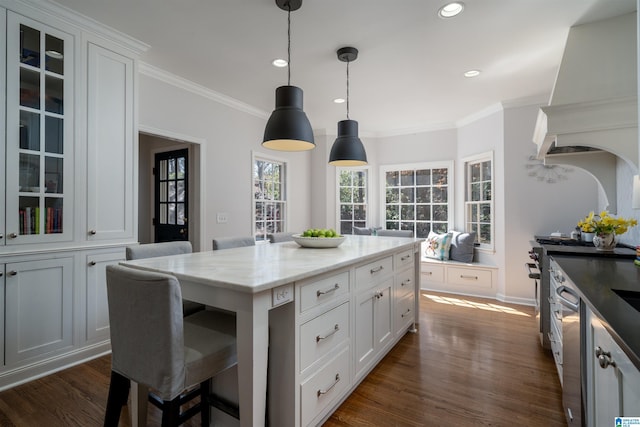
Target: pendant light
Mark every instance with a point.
(347, 150)
(288, 128)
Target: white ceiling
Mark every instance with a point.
(408, 77)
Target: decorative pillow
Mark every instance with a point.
(437, 245)
(462, 246)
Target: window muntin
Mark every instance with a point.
(479, 198)
(269, 197)
(418, 197)
(352, 199)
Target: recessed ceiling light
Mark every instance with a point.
(472, 73)
(450, 10)
(339, 100)
(280, 63)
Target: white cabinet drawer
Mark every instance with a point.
(322, 334)
(370, 274)
(405, 283)
(324, 290)
(405, 313)
(403, 259)
(323, 388)
(469, 277)
(432, 272)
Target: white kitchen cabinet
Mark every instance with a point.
(38, 308)
(613, 382)
(110, 145)
(68, 159)
(97, 308)
(40, 84)
(404, 292)
(373, 324)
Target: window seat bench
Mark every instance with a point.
(458, 277)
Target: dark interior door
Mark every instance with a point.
(171, 198)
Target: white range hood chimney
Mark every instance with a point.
(594, 103)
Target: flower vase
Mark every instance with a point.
(604, 241)
(587, 237)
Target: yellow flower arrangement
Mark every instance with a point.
(605, 223)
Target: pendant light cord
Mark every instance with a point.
(289, 44)
(348, 90)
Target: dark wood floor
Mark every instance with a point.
(474, 362)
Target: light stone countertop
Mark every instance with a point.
(253, 269)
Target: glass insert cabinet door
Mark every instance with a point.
(39, 154)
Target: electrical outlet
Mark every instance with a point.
(222, 218)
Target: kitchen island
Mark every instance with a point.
(324, 317)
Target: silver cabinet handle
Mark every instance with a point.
(326, 390)
(335, 329)
(12, 273)
(465, 276)
(571, 305)
(406, 282)
(92, 263)
(92, 232)
(1, 236)
(12, 235)
(376, 270)
(406, 313)
(604, 358)
(328, 291)
(379, 294)
(406, 257)
(428, 273)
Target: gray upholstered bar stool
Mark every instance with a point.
(280, 237)
(152, 250)
(170, 357)
(232, 242)
(362, 231)
(395, 233)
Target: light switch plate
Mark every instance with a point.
(282, 294)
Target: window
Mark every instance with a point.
(418, 197)
(479, 198)
(352, 199)
(269, 196)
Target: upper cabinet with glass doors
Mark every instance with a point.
(39, 145)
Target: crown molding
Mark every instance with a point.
(182, 83)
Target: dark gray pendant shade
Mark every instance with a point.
(347, 150)
(288, 128)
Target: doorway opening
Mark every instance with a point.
(169, 205)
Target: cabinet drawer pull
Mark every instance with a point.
(406, 257)
(12, 273)
(406, 282)
(465, 276)
(406, 313)
(326, 390)
(604, 358)
(92, 263)
(428, 273)
(92, 232)
(1, 235)
(12, 235)
(378, 294)
(376, 270)
(328, 291)
(335, 329)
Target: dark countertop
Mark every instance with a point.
(595, 276)
(567, 247)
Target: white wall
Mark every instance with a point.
(534, 207)
(230, 135)
(624, 187)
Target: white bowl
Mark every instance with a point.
(318, 242)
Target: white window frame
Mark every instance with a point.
(285, 205)
(449, 165)
(468, 162)
(367, 205)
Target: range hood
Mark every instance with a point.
(594, 104)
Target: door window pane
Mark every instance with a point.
(54, 54)
(29, 88)
(29, 130)
(53, 134)
(53, 173)
(29, 46)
